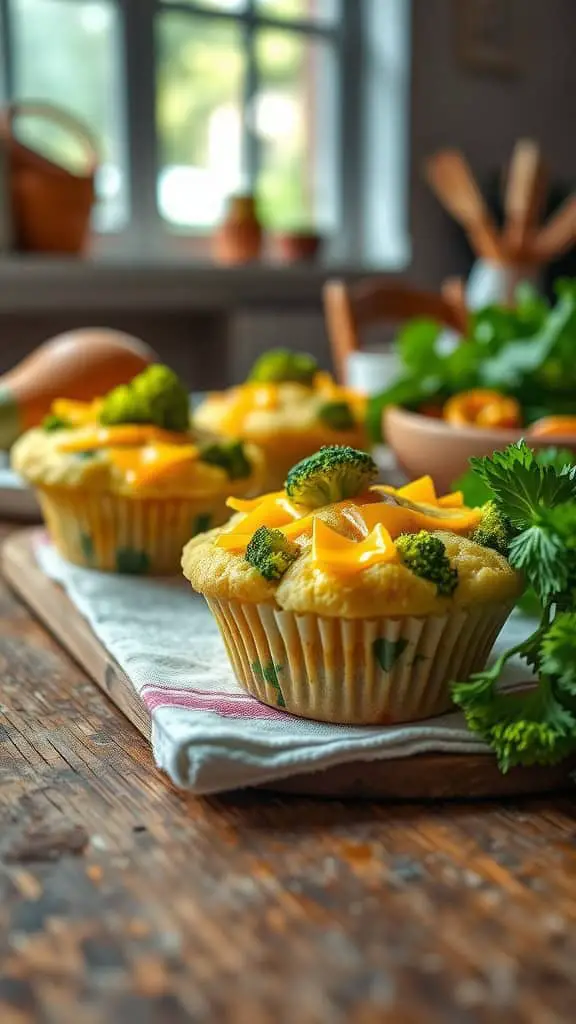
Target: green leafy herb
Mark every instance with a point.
(268, 673)
(52, 422)
(337, 415)
(201, 523)
(526, 351)
(522, 486)
(387, 652)
(87, 545)
(537, 726)
(129, 561)
(477, 493)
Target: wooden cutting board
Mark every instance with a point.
(426, 776)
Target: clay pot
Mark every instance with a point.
(295, 247)
(51, 206)
(426, 445)
(239, 237)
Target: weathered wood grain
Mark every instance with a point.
(428, 776)
(257, 909)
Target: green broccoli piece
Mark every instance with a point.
(51, 422)
(426, 556)
(337, 415)
(280, 365)
(271, 553)
(156, 396)
(494, 529)
(333, 473)
(228, 455)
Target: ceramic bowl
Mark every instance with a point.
(424, 445)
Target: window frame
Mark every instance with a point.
(145, 233)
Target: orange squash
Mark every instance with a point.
(482, 407)
(81, 365)
(553, 426)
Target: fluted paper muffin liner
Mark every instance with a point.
(113, 533)
(356, 671)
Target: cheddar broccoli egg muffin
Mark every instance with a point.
(289, 408)
(123, 481)
(348, 602)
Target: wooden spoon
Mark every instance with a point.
(454, 293)
(523, 198)
(450, 177)
(558, 234)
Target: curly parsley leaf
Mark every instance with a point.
(522, 727)
(541, 555)
(537, 725)
(522, 486)
(558, 652)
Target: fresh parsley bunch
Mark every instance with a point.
(536, 726)
(526, 351)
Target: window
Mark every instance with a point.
(191, 100)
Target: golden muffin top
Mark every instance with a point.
(135, 441)
(331, 544)
(286, 393)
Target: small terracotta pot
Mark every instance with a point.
(426, 445)
(295, 247)
(239, 237)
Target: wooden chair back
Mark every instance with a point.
(351, 308)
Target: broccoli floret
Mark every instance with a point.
(494, 529)
(51, 422)
(156, 396)
(337, 415)
(271, 553)
(228, 455)
(333, 473)
(281, 365)
(426, 556)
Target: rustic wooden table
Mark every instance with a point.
(122, 899)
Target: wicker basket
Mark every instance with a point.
(50, 205)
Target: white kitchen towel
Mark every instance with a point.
(207, 733)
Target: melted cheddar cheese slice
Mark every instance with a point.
(243, 401)
(141, 467)
(128, 435)
(422, 491)
(274, 510)
(77, 413)
(351, 535)
(248, 504)
(140, 454)
(404, 519)
(337, 554)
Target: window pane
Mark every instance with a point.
(301, 10)
(294, 117)
(221, 5)
(200, 82)
(65, 53)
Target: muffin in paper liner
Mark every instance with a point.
(114, 533)
(356, 671)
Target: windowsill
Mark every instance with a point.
(36, 284)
